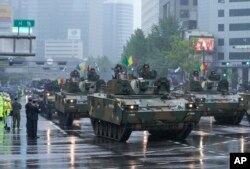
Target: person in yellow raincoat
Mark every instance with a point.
(8, 109)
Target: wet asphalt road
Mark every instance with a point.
(208, 146)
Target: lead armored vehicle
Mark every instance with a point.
(71, 102)
(214, 98)
(128, 104)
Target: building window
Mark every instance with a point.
(221, 56)
(166, 10)
(239, 0)
(239, 41)
(220, 13)
(239, 55)
(239, 27)
(195, 2)
(221, 1)
(184, 13)
(239, 12)
(221, 42)
(184, 2)
(220, 27)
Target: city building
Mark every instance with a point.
(5, 16)
(184, 10)
(228, 21)
(117, 27)
(67, 49)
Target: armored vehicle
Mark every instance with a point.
(214, 99)
(71, 102)
(48, 98)
(126, 104)
(246, 99)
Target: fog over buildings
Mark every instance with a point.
(57, 20)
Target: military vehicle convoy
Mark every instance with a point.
(71, 102)
(214, 98)
(127, 104)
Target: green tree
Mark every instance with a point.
(160, 34)
(135, 46)
(159, 41)
(181, 55)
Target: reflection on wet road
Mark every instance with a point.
(208, 146)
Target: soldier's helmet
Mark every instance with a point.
(195, 73)
(213, 76)
(146, 66)
(75, 74)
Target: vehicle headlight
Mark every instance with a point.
(241, 99)
(71, 101)
(131, 107)
(48, 94)
(190, 106)
(200, 100)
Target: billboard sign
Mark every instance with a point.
(5, 12)
(203, 43)
(74, 34)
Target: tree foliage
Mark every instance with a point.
(163, 48)
(136, 46)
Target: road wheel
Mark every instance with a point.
(96, 126)
(230, 120)
(69, 119)
(182, 134)
(110, 130)
(123, 133)
(62, 118)
(248, 117)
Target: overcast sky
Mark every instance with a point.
(137, 13)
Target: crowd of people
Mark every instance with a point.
(10, 114)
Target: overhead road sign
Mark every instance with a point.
(24, 23)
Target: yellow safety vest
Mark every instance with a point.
(1, 106)
(8, 107)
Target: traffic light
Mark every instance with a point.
(11, 61)
(225, 63)
(247, 63)
(224, 74)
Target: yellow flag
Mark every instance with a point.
(130, 61)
